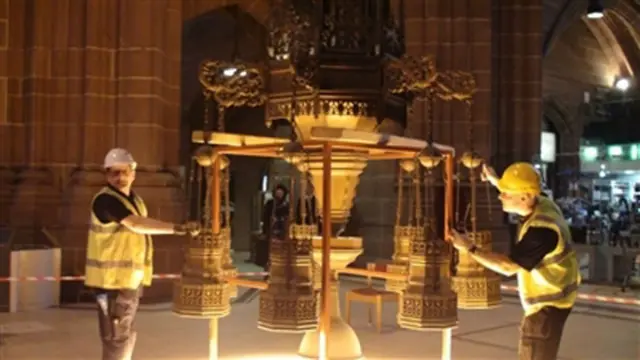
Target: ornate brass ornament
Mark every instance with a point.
(202, 292)
(232, 84)
(404, 234)
(477, 286)
(289, 304)
(428, 301)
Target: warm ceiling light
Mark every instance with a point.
(622, 84)
(595, 10)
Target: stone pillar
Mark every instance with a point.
(517, 67)
(504, 42)
(80, 80)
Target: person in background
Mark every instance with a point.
(543, 259)
(120, 253)
(274, 216)
(620, 221)
(311, 215)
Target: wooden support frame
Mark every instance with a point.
(325, 142)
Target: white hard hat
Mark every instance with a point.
(119, 156)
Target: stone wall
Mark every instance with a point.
(82, 79)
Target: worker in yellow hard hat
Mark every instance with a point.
(542, 258)
(120, 253)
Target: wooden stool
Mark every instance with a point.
(370, 296)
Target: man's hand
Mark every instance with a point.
(459, 241)
(192, 228)
(489, 174)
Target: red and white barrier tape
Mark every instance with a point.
(81, 277)
(590, 297)
(510, 288)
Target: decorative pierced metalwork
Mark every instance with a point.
(290, 29)
(403, 235)
(289, 304)
(202, 291)
(428, 301)
(418, 77)
(477, 287)
(233, 84)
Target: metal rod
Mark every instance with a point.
(446, 344)
(448, 193)
(325, 306)
(215, 197)
(253, 284)
(215, 228)
(213, 339)
(372, 273)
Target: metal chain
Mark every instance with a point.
(303, 196)
(206, 214)
(207, 100)
(411, 204)
(190, 185)
(417, 184)
(472, 183)
(487, 187)
(430, 118)
(411, 123)
(458, 201)
(199, 204)
(221, 112)
(400, 193)
(468, 108)
(227, 197)
(292, 190)
(427, 199)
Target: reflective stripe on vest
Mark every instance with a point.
(554, 281)
(555, 259)
(116, 256)
(105, 229)
(112, 264)
(563, 293)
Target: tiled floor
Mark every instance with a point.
(71, 334)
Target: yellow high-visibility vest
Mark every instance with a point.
(118, 258)
(555, 281)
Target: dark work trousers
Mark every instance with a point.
(541, 332)
(116, 314)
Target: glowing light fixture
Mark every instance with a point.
(595, 10)
(615, 151)
(228, 72)
(590, 153)
(622, 84)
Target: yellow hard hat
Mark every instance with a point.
(520, 178)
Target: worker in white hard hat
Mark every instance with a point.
(120, 253)
(546, 265)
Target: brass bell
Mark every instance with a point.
(430, 157)
(293, 153)
(471, 160)
(204, 155)
(408, 165)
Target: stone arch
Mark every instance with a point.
(258, 9)
(568, 130)
(622, 20)
(557, 115)
(227, 31)
(580, 55)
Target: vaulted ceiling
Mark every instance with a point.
(599, 49)
(581, 54)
